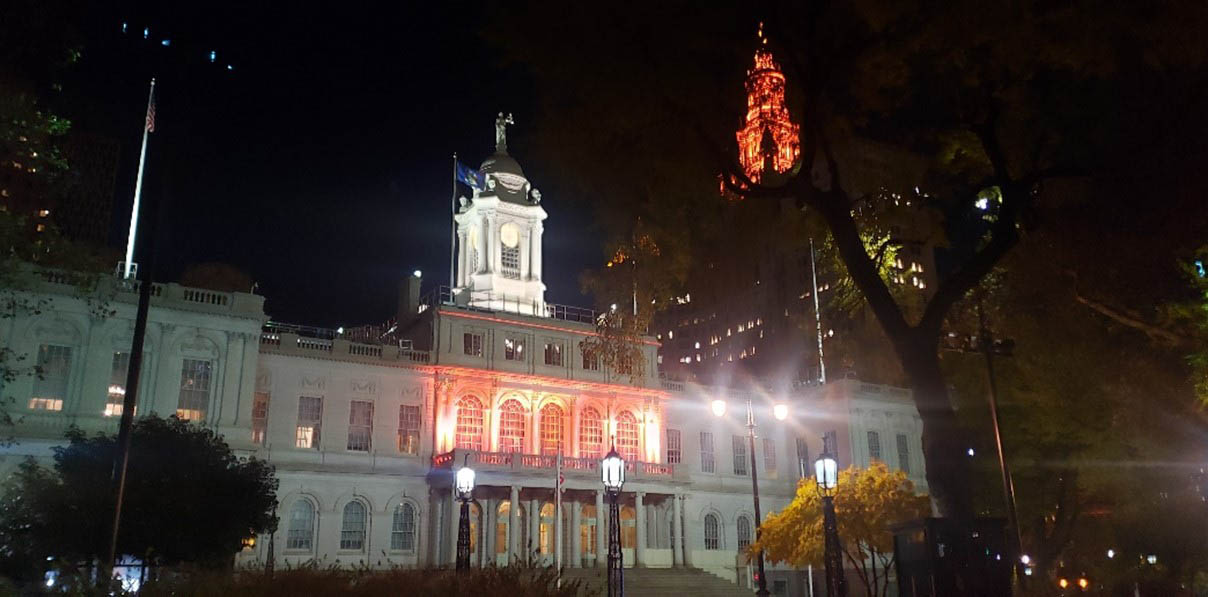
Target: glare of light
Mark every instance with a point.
(213, 55)
(117, 390)
(970, 452)
(1083, 583)
(613, 307)
(417, 274)
(230, 67)
(719, 407)
(1199, 268)
(1025, 559)
(1151, 558)
(340, 330)
(124, 27)
(780, 411)
(1027, 571)
(983, 204)
(146, 32)
(165, 43)
(1063, 583)
(1111, 553)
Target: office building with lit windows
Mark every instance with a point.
(366, 425)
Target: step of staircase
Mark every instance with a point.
(643, 582)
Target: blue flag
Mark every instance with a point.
(469, 176)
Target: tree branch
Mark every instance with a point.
(1131, 320)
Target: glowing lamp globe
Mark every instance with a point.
(780, 411)
(719, 407)
(612, 471)
(464, 482)
(826, 473)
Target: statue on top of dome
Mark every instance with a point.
(501, 132)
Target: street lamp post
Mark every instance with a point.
(781, 412)
(463, 484)
(826, 473)
(612, 473)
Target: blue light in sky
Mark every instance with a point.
(1199, 267)
(146, 32)
(229, 67)
(123, 27)
(213, 55)
(166, 42)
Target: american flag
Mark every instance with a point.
(151, 115)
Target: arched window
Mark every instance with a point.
(511, 427)
(591, 434)
(744, 532)
(627, 436)
(469, 424)
(301, 530)
(402, 530)
(629, 527)
(551, 429)
(352, 529)
(501, 526)
(712, 536)
(545, 538)
(587, 529)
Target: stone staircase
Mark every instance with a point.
(651, 582)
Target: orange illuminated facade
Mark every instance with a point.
(768, 133)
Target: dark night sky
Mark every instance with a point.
(321, 164)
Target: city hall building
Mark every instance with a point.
(366, 425)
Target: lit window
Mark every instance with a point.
(301, 531)
(706, 452)
(627, 436)
(51, 383)
(352, 528)
(769, 454)
(712, 536)
(553, 354)
(551, 429)
(472, 344)
(402, 529)
(591, 362)
(42, 213)
(40, 227)
(259, 417)
(740, 455)
(509, 254)
(744, 533)
(874, 446)
(511, 427)
(591, 433)
(675, 453)
(310, 422)
(903, 453)
(469, 424)
(513, 349)
(408, 429)
(194, 397)
(670, 334)
(114, 401)
(360, 426)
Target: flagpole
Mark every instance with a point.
(453, 228)
(138, 189)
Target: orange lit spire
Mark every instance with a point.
(769, 133)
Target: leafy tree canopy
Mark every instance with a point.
(188, 499)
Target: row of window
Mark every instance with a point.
(514, 349)
(903, 446)
(309, 427)
(54, 374)
(354, 526)
(469, 429)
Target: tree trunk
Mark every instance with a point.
(944, 445)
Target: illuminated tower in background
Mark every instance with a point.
(768, 130)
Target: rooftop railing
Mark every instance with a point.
(495, 302)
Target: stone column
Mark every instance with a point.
(491, 254)
(536, 250)
(486, 547)
(463, 252)
(575, 406)
(454, 509)
(601, 537)
(534, 527)
(639, 546)
(514, 525)
(681, 531)
(677, 539)
(576, 540)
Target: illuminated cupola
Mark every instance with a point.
(499, 237)
(768, 135)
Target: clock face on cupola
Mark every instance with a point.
(499, 236)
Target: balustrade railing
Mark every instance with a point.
(518, 461)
